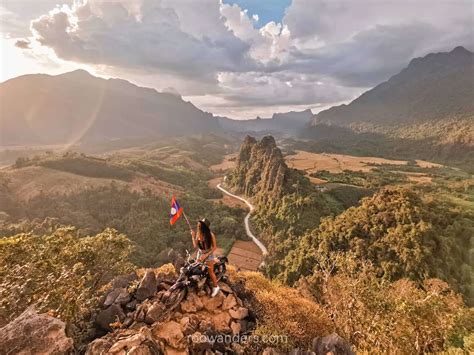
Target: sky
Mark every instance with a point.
(236, 58)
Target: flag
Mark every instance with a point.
(176, 211)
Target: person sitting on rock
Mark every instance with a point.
(205, 241)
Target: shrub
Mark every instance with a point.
(400, 317)
(60, 273)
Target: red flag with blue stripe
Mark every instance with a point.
(176, 211)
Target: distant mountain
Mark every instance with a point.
(76, 106)
(435, 87)
(288, 122)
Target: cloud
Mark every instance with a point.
(321, 52)
(151, 37)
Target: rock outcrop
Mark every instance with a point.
(260, 168)
(198, 324)
(33, 333)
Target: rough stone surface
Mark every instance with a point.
(229, 302)
(239, 313)
(235, 327)
(109, 315)
(147, 286)
(33, 333)
(123, 297)
(192, 303)
(171, 333)
(221, 322)
(154, 313)
(212, 304)
(225, 287)
(111, 296)
(152, 328)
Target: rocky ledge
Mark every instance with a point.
(142, 324)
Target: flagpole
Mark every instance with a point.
(187, 221)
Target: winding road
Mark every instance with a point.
(246, 221)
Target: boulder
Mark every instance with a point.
(239, 313)
(212, 304)
(155, 312)
(229, 302)
(123, 297)
(225, 287)
(333, 344)
(191, 304)
(141, 349)
(33, 333)
(111, 297)
(171, 333)
(141, 342)
(236, 328)
(110, 315)
(99, 346)
(132, 305)
(221, 322)
(147, 286)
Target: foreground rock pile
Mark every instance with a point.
(33, 333)
(145, 326)
(134, 320)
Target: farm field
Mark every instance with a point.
(337, 163)
(245, 255)
(227, 164)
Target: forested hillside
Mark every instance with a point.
(406, 229)
(128, 190)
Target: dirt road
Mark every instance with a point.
(238, 250)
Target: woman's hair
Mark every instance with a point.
(206, 233)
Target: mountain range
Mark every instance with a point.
(79, 107)
(437, 86)
(74, 107)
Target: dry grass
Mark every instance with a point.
(337, 163)
(227, 164)
(28, 182)
(283, 311)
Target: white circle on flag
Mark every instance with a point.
(173, 211)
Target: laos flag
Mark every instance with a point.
(176, 211)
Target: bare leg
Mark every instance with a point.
(212, 274)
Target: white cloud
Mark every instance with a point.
(322, 52)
